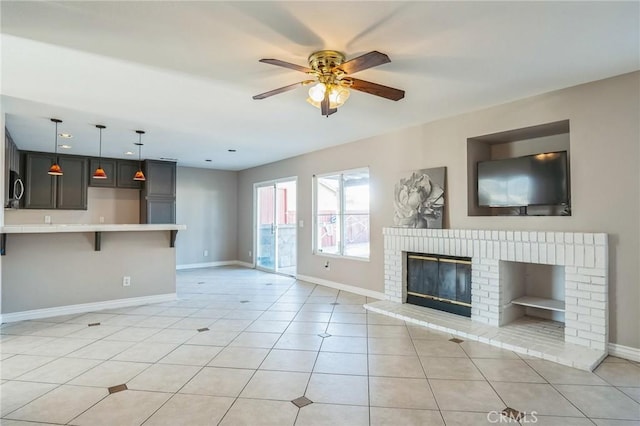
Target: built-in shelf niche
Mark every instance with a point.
(533, 289)
(532, 140)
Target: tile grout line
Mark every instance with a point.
(413, 345)
(315, 361)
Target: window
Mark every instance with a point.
(342, 213)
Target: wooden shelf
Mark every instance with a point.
(540, 303)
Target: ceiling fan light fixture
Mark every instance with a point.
(338, 95)
(317, 91)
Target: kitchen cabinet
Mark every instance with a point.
(126, 170)
(11, 162)
(71, 188)
(161, 178)
(39, 187)
(119, 173)
(158, 197)
(158, 210)
(12, 154)
(43, 191)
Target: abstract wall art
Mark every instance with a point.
(419, 199)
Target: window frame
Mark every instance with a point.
(341, 215)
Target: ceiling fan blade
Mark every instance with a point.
(368, 60)
(281, 90)
(325, 106)
(377, 89)
(284, 64)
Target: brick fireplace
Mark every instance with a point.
(497, 295)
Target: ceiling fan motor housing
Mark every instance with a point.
(324, 62)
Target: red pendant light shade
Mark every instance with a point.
(55, 169)
(139, 176)
(100, 173)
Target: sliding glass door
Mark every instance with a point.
(276, 233)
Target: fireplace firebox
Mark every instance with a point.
(439, 282)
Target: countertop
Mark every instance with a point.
(55, 228)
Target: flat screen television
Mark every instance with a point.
(533, 180)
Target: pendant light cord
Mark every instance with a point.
(56, 140)
(100, 150)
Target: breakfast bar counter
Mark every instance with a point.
(97, 228)
(58, 269)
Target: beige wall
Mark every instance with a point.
(207, 202)
(605, 152)
(115, 205)
(50, 270)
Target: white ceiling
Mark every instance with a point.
(185, 71)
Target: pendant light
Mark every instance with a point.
(139, 175)
(100, 173)
(55, 169)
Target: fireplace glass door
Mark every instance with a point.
(439, 282)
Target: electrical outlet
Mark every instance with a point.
(250, 253)
(206, 253)
(101, 219)
(126, 281)
(47, 219)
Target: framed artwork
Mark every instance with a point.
(420, 198)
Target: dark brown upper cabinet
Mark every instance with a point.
(158, 197)
(43, 191)
(119, 173)
(71, 188)
(126, 170)
(39, 186)
(11, 163)
(109, 167)
(161, 178)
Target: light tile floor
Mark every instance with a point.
(263, 349)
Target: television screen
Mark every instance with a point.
(539, 179)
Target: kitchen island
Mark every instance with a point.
(60, 269)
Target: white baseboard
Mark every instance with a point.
(85, 307)
(626, 352)
(214, 264)
(339, 286)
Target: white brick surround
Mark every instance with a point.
(584, 257)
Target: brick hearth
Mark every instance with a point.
(584, 257)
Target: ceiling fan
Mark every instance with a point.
(332, 80)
